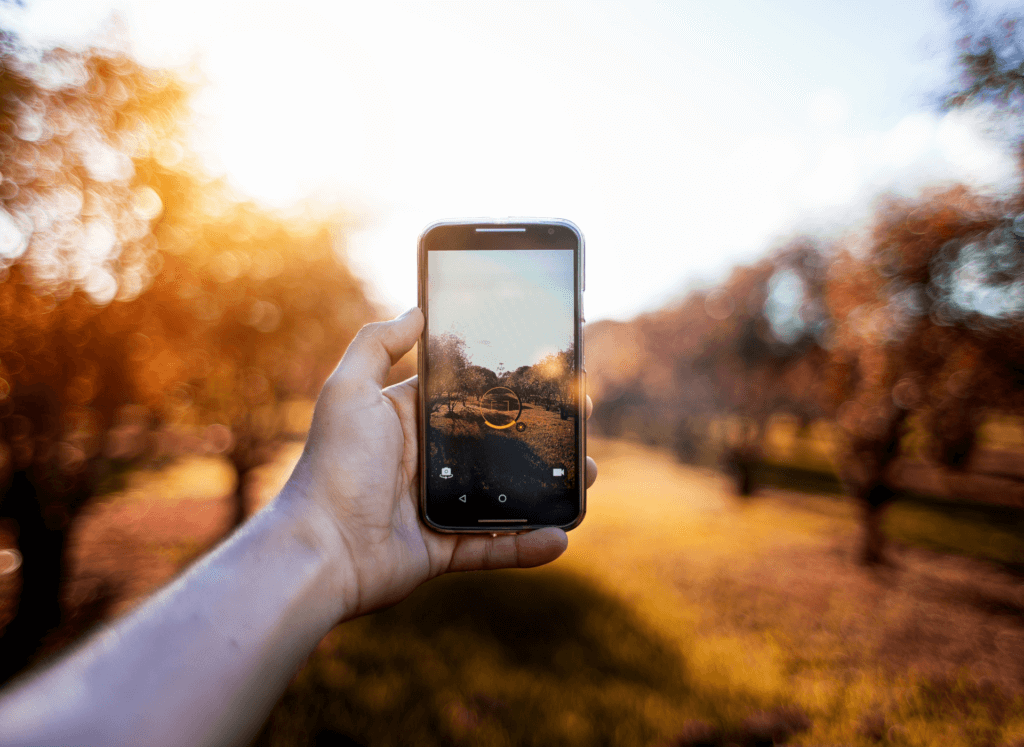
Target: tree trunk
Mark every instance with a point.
(42, 550)
(241, 460)
(239, 504)
(248, 454)
(873, 503)
(740, 465)
(744, 477)
(874, 491)
(743, 458)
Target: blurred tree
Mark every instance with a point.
(263, 307)
(929, 317)
(135, 292)
(985, 276)
(762, 344)
(73, 237)
(990, 65)
(929, 312)
(734, 355)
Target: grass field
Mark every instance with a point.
(678, 616)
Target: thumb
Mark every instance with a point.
(475, 552)
(378, 346)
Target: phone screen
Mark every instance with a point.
(502, 386)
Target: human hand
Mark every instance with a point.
(356, 487)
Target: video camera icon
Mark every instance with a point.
(446, 473)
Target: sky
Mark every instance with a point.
(512, 308)
(683, 138)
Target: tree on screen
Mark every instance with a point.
(525, 382)
(552, 378)
(478, 379)
(448, 371)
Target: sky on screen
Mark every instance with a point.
(511, 307)
(681, 137)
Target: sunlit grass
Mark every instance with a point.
(189, 477)
(677, 610)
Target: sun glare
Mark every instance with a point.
(412, 112)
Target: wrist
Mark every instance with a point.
(315, 528)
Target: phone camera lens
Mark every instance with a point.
(551, 232)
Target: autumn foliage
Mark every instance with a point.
(145, 311)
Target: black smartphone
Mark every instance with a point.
(502, 389)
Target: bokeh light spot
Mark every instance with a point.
(101, 287)
(147, 203)
(13, 241)
(719, 304)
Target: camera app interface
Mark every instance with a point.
(502, 399)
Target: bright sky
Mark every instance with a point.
(511, 307)
(681, 137)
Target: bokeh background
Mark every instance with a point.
(805, 342)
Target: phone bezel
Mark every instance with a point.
(467, 229)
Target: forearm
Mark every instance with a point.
(205, 660)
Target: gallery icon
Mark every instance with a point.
(558, 472)
(446, 473)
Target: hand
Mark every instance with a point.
(359, 475)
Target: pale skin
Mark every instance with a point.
(204, 661)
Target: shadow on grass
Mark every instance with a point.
(513, 657)
(990, 532)
(800, 479)
(554, 622)
(977, 530)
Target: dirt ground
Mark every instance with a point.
(547, 434)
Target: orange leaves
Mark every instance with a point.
(129, 278)
(908, 233)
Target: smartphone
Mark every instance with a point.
(502, 388)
